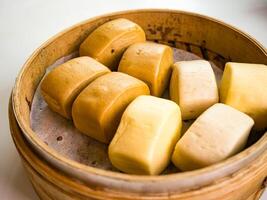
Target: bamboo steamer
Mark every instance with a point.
(56, 177)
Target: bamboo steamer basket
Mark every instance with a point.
(56, 177)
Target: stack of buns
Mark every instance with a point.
(113, 91)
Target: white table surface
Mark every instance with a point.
(26, 24)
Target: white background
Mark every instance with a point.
(26, 24)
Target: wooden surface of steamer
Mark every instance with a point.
(213, 40)
(50, 183)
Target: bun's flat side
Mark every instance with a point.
(97, 110)
(218, 133)
(149, 62)
(146, 136)
(108, 42)
(62, 85)
(193, 87)
(243, 87)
